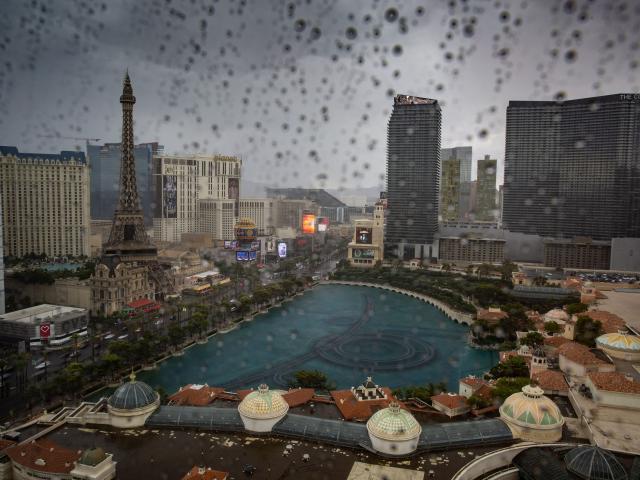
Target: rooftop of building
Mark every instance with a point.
(65, 156)
(195, 395)
(450, 400)
(360, 410)
(614, 382)
(618, 97)
(551, 380)
(317, 195)
(491, 314)
(34, 315)
(580, 354)
(44, 456)
(611, 323)
(413, 100)
(205, 473)
(170, 453)
(556, 341)
(473, 382)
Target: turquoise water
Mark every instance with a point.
(54, 267)
(339, 330)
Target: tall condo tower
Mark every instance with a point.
(572, 168)
(413, 176)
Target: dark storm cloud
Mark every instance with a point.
(301, 89)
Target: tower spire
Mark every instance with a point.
(128, 237)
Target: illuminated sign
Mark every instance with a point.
(282, 250)
(308, 223)
(363, 253)
(253, 255)
(363, 235)
(170, 193)
(242, 256)
(323, 224)
(227, 244)
(45, 330)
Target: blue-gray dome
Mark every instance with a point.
(593, 463)
(132, 395)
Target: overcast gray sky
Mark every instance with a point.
(302, 90)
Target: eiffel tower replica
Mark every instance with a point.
(128, 239)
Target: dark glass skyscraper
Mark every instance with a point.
(572, 167)
(105, 178)
(413, 176)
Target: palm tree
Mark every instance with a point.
(4, 363)
(21, 362)
(74, 338)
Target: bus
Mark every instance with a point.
(200, 290)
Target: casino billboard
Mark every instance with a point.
(363, 235)
(363, 253)
(170, 196)
(308, 223)
(282, 249)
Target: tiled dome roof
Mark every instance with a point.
(92, 456)
(393, 423)
(132, 395)
(619, 341)
(530, 408)
(263, 404)
(593, 463)
(557, 314)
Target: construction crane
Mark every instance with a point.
(86, 139)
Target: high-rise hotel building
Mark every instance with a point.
(413, 176)
(45, 203)
(455, 183)
(572, 168)
(195, 193)
(486, 193)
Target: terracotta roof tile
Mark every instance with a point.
(485, 392)
(44, 456)
(611, 323)
(298, 396)
(555, 341)
(352, 409)
(614, 382)
(6, 444)
(491, 315)
(551, 380)
(450, 401)
(473, 382)
(579, 354)
(195, 395)
(208, 474)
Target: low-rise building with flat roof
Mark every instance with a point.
(54, 324)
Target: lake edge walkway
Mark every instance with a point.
(456, 315)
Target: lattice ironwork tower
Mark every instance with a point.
(128, 238)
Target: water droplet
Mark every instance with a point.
(351, 33)
(397, 50)
(391, 15)
(300, 25)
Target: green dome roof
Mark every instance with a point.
(92, 456)
(531, 408)
(263, 404)
(394, 423)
